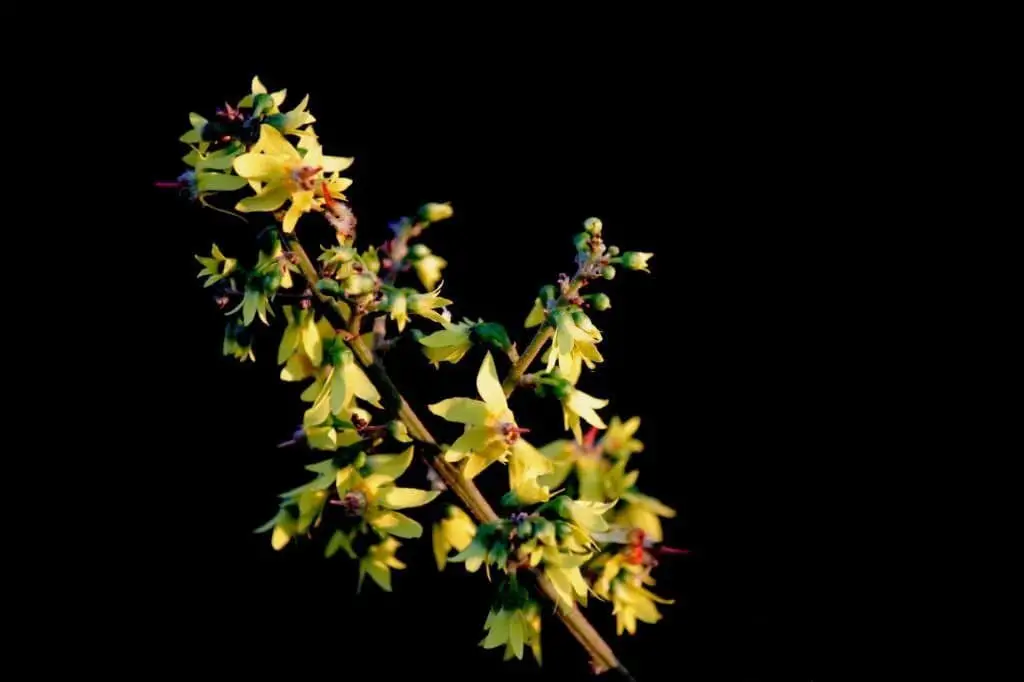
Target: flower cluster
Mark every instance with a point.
(574, 514)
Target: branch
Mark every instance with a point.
(603, 658)
(542, 336)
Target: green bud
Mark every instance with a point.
(419, 251)
(329, 287)
(510, 499)
(360, 461)
(435, 212)
(599, 302)
(582, 241)
(608, 272)
(613, 251)
(399, 431)
(494, 334)
(560, 505)
(636, 260)
(548, 293)
(525, 529)
(592, 225)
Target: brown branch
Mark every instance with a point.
(603, 658)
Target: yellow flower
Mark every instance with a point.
(378, 564)
(217, 267)
(642, 511)
(572, 345)
(515, 629)
(424, 305)
(577, 404)
(448, 345)
(398, 303)
(456, 531)
(287, 175)
(623, 583)
(564, 573)
(337, 383)
(428, 269)
(618, 440)
(291, 122)
(491, 432)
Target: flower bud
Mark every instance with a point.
(599, 302)
(608, 272)
(434, 212)
(582, 241)
(613, 251)
(419, 251)
(356, 285)
(636, 260)
(592, 225)
(548, 293)
(525, 529)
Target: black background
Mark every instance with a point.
(726, 351)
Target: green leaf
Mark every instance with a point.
(329, 287)
(494, 334)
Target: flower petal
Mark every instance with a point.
(390, 465)
(397, 524)
(262, 167)
(489, 387)
(270, 199)
(471, 441)
(361, 385)
(333, 164)
(274, 143)
(474, 465)
(401, 498)
(461, 410)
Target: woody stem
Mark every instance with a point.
(537, 343)
(602, 654)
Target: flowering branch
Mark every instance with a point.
(596, 534)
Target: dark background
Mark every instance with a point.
(726, 351)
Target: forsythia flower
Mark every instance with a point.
(642, 511)
(514, 629)
(618, 440)
(537, 315)
(238, 341)
(424, 305)
(491, 432)
(277, 98)
(378, 564)
(428, 265)
(454, 532)
(287, 175)
(217, 267)
(398, 303)
(448, 345)
(577, 404)
(572, 345)
(623, 583)
(336, 383)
